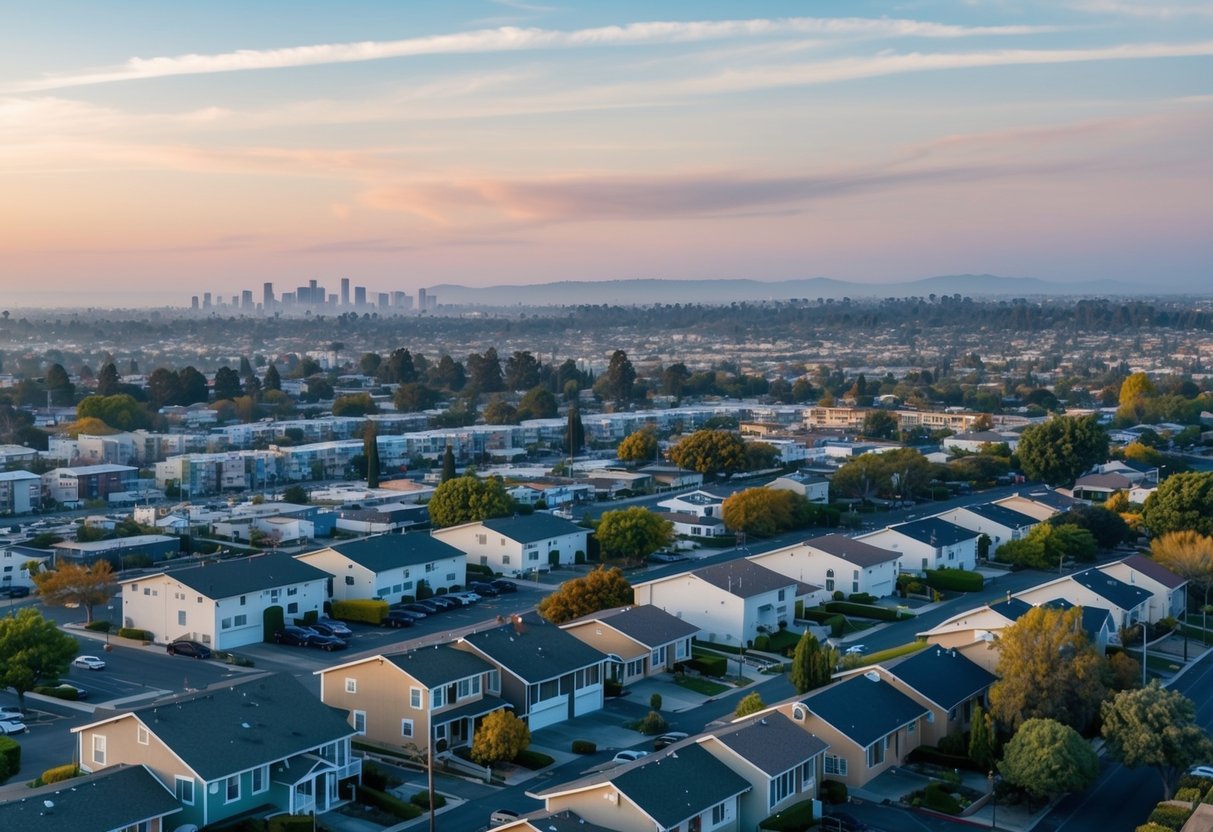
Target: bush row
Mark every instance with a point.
(955, 580)
(135, 633)
(388, 803)
(864, 611)
(10, 757)
(360, 609)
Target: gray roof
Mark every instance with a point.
(851, 550)
(235, 726)
(745, 579)
(1120, 594)
(534, 650)
(1050, 499)
(113, 798)
(388, 551)
(529, 528)
(772, 743)
(690, 519)
(1002, 515)
(990, 436)
(1115, 482)
(241, 576)
(439, 665)
(1154, 570)
(1011, 609)
(945, 677)
(563, 821)
(645, 624)
(934, 531)
(1093, 618)
(863, 709)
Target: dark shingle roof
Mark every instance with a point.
(113, 798)
(534, 650)
(563, 821)
(772, 743)
(863, 709)
(1123, 595)
(1116, 482)
(528, 528)
(1155, 570)
(743, 578)
(646, 624)
(1011, 609)
(1051, 499)
(242, 576)
(851, 550)
(943, 676)
(1093, 618)
(933, 531)
(439, 665)
(238, 725)
(691, 519)
(1002, 515)
(673, 787)
(388, 551)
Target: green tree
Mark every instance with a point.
(227, 384)
(1049, 669)
(119, 411)
(632, 534)
(355, 404)
(498, 412)
(448, 374)
(59, 385)
(759, 456)
(501, 736)
(599, 589)
(1046, 546)
(370, 449)
(620, 378)
(32, 650)
(638, 446)
(1136, 392)
(448, 464)
(192, 387)
(1107, 527)
(272, 380)
(295, 494)
(521, 371)
(981, 739)
(751, 703)
(710, 452)
(163, 388)
(414, 397)
(484, 371)
(1061, 449)
(108, 381)
(467, 499)
(765, 511)
(880, 424)
(538, 403)
(574, 432)
(1048, 758)
(1153, 726)
(71, 583)
(812, 664)
(1182, 502)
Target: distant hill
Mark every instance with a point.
(645, 292)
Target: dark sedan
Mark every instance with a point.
(296, 636)
(329, 643)
(484, 590)
(333, 629)
(503, 586)
(398, 619)
(413, 607)
(185, 647)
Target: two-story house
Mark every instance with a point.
(996, 522)
(702, 502)
(640, 641)
(119, 798)
(947, 683)
(389, 566)
(516, 545)
(813, 487)
(1094, 588)
(403, 698)
(837, 563)
(929, 543)
(1169, 597)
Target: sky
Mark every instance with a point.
(151, 151)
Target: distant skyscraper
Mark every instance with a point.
(310, 295)
(332, 300)
(345, 291)
(360, 296)
(382, 300)
(267, 296)
(206, 300)
(401, 300)
(194, 303)
(246, 299)
(421, 300)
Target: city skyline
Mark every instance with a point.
(156, 152)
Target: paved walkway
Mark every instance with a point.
(889, 787)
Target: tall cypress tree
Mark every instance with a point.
(448, 464)
(370, 448)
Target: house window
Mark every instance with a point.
(829, 584)
(274, 593)
(141, 735)
(99, 749)
(493, 683)
(231, 792)
(243, 599)
(293, 607)
(349, 580)
(241, 620)
(808, 770)
(180, 618)
(351, 685)
(225, 624)
(406, 727)
(294, 590)
(437, 698)
(505, 558)
(185, 790)
(532, 556)
(854, 586)
(415, 698)
(465, 689)
(450, 577)
(782, 787)
(782, 594)
(482, 539)
(836, 765)
(720, 813)
(360, 722)
(261, 779)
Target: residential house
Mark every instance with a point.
(1097, 622)
(868, 724)
(20, 492)
(14, 570)
(516, 545)
(837, 563)
(1138, 473)
(121, 798)
(671, 476)
(813, 487)
(402, 699)
(929, 543)
(382, 519)
(1041, 504)
(948, 683)
(1093, 588)
(254, 744)
(17, 455)
(731, 602)
(973, 442)
(153, 547)
(545, 821)
(996, 522)
(639, 641)
(223, 604)
(1168, 591)
(683, 790)
(87, 482)
(1096, 488)
(695, 525)
(547, 675)
(389, 566)
(701, 502)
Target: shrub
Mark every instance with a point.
(864, 610)
(422, 799)
(423, 590)
(832, 791)
(936, 796)
(360, 609)
(653, 723)
(60, 773)
(310, 617)
(579, 556)
(953, 744)
(533, 760)
(290, 823)
(957, 580)
(378, 777)
(57, 691)
(751, 703)
(762, 642)
(479, 569)
(1169, 815)
(135, 633)
(232, 659)
(818, 616)
(10, 757)
(861, 598)
(838, 625)
(392, 805)
(839, 595)
(1189, 795)
(1153, 827)
(710, 665)
(584, 747)
(612, 687)
(655, 701)
(99, 626)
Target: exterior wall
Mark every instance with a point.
(389, 584)
(604, 806)
(940, 723)
(20, 493)
(383, 695)
(962, 628)
(1163, 601)
(813, 566)
(1079, 596)
(997, 532)
(755, 805)
(508, 556)
(900, 743)
(720, 615)
(914, 553)
(12, 568)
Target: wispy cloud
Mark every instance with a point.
(510, 39)
(1146, 10)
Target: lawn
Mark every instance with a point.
(704, 686)
(795, 818)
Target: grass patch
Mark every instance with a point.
(782, 641)
(796, 818)
(533, 760)
(893, 652)
(703, 686)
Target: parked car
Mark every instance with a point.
(329, 643)
(15, 592)
(185, 647)
(429, 606)
(71, 691)
(295, 636)
(10, 712)
(444, 602)
(856, 650)
(398, 619)
(1201, 771)
(12, 726)
(88, 663)
(484, 590)
(668, 739)
(466, 597)
(502, 816)
(412, 607)
(630, 756)
(503, 586)
(666, 557)
(327, 628)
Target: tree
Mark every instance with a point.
(467, 499)
(272, 380)
(620, 377)
(1136, 391)
(1047, 546)
(108, 381)
(1107, 527)
(484, 371)
(710, 452)
(499, 412)
(192, 387)
(751, 703)
(59, 385)
(295, 494)
(355, 404)
(900, 473)
(72, 583)
(574, 433)
(632, 534)
(984, 421)
(32, 650)
(414, 397)
(1049, 669)
(1048, 758)
(370, 449)
(448, 464)
(674, 379)
(538, 403)
(880, 424)
(765, 511)
(163, 388)
(501, 736)
(760, 456)
(1061, 449)
(981, 739)
(1182, 502)
(119, 411)
(1153, 726)
(599, 589)
(812, 663)
(521, 371)
(448, 374)
(638, 446)
(1189, 555)
(227, 384)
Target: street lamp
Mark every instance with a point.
(109, 619)
(993, 801)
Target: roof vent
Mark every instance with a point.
(872, 676)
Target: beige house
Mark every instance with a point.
(1168, 591)
(545, 821)
(1038, 504)
(401, 699)
(947, 683)
(639, 641)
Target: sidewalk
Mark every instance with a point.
(889, 787)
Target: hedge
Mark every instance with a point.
(861, 598)
(864, 610)
(956, 580)
(290, 823)
(360, 609)
(10, 757)
(1189, 795)
(392, 805)
(99, 626)
(819, 616)
(422, 800)
(60, 773)
(135, 633)
(710, 665)
(533, 760)
(937, 796)
(57, 691)
(480, 569)
(232, 659)
(584, 747)
(1167, 814)
(833, 791)
(930, 754)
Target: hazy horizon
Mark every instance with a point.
(152, 152)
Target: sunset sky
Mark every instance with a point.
(151, 151)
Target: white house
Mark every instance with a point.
(516, 545)
(973, 442)
(389, 566)
(20, 492)
(222, 604)
(13, 569)
(929, 543)
(1093, 588)
(1168, 591)
(1041, 504)
(700, 502)
(731, 602)
(837, 563)
(813, 487)
(695, 525)
(996, 522)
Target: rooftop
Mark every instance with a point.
(1002, 515)
(439, 665)
(772, 743)
(934, 531)
(533, 650)
(945, 677)
(864, 708)
(745, 578)
(529, 528)
(851, 550)
(239, 576)
(387, 551)
(116, 797)
(1123, 595)
(646, 624)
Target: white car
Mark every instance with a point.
(12, 726)
(1201, 771)
(9, 712)
(88, 663)
(466, 597)
(856, 650)
(630, 756)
